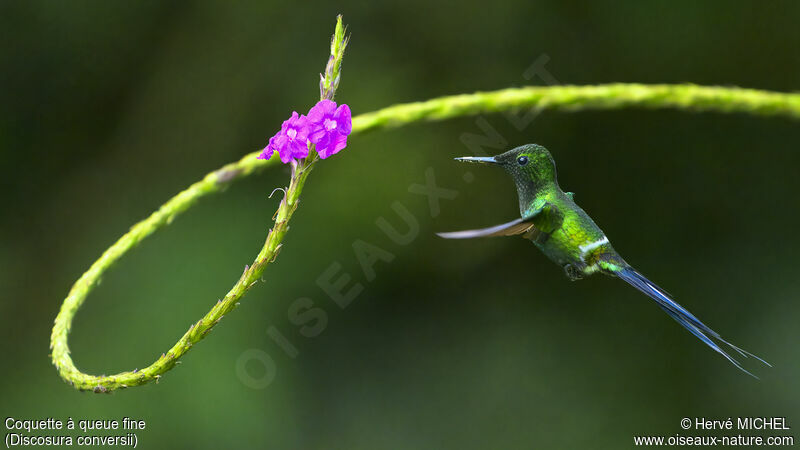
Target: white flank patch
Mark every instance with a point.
(591, 246)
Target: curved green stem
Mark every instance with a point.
(567, 98)
(576, 98)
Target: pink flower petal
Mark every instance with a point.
(322, 109)
(332, 146)
(266, 153)
(292, 141)
(288, 122)
(343, 119)
(268, 150)
(302, 127)
(339, 142)
(299, 149)
(317, 133)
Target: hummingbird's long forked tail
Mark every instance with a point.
(684, 317)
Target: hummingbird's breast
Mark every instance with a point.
(574, 239)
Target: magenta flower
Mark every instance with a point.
(329, 127)
(291, 142)
(326, 126)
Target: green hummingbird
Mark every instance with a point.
(569, 237)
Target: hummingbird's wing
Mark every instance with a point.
(517, 226)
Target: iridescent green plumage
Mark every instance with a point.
(551, 219)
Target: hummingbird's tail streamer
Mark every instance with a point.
(684, 317)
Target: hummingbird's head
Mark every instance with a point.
(531, 167)
(527, 164)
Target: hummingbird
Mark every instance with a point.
(550, 218)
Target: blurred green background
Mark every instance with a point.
(110, 108)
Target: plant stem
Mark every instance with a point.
(687, 97)
(272, 245)
(566, 98)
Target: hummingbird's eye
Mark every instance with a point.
(522, 160)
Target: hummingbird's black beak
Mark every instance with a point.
(477, 159)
